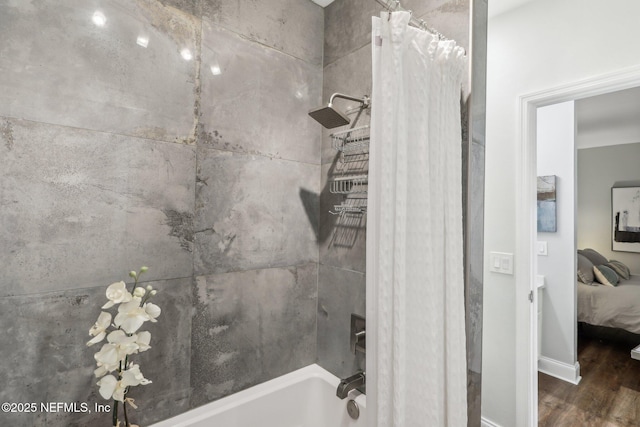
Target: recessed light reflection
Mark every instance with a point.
(142, 41)
(215, 70)
(99, 19)
(302, 92)
(186, 54)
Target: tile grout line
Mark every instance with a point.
(87, 288)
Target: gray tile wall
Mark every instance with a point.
(475, 209)
(174, 136)
(251, 326)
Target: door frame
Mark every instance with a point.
(526, 235)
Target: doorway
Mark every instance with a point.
(526, 234)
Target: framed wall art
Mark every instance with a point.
(625, 218)
(547, 222)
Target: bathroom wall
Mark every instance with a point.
(174, 136)
(258, 168)
(523, 58)
(341, 279)
(556, 155)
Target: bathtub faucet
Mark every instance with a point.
(351, 383)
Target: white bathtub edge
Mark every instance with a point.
(259, 390)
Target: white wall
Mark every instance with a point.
(541, 45)
(556, 156)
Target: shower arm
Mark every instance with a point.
(365, 101)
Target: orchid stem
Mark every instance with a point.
(115, 413)
(135, 284)
(124, 404)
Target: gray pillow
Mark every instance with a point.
(621, 269)
(605, 275)
(585, 270)
(594, 256)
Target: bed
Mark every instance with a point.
(612, 306)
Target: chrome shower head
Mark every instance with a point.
(330, 117)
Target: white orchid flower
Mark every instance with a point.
(117, 293)
(131, 316)
(99, 329)
(107, 386)
(143, 339)
(125, 345)
(111, 354)
(110, 388)
(107, 359)
(133, 377)
(152, 310)
(115, 372)
(118, 393)
(100, 371)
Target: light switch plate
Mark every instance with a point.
(542, 248)
(501, 262)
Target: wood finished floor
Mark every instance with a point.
(609, 393)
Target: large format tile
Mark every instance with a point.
(255, 99)
(45, 358)
(80, 205)
(193, 7)
(59, 67)
(347, 27)
(420, 7)
(475, 255)
(251, 212)
(292, 26)
(475, 210)
(340, 293)
(250, 327)
(451, 18)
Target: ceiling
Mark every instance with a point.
(609, 119)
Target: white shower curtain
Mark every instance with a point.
(415, 289)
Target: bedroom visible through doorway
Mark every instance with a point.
(526, 265)
(591, 148)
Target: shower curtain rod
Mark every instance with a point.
(395, 6)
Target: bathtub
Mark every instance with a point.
(303, 398)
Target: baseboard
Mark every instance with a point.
(560, 370)
(487, 423)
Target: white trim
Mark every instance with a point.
(484, 422)
(525, 274)
(560, 370)
(526, 269)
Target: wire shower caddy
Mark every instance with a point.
(352, 174)
(354, 140)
